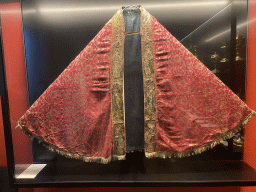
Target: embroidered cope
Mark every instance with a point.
(187, 109)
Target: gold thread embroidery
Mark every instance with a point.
(148, 82)
(117, 98)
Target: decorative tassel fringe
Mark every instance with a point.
(164, 155)
(120, 157)
(53, 148)
(203, 148)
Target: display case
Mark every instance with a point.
(223, 51)
(55, 32)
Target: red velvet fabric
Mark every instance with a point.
(194, 107)
(73, 114)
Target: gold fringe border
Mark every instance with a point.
(164, 155)
(204, 148)
(53, 148)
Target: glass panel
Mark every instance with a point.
(210, 43)
(55, 32)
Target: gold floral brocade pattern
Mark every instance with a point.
(117, 92)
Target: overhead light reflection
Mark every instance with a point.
(204, 24)
(62, 14)
(227, 31)
(186, 4)
(218, 35)
(75, 9)
(29, 11)
(55, 9)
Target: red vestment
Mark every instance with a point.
(187, 109)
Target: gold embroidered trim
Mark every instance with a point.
(204, 148)
(150, 134)
(116, 82)
(53, 148)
